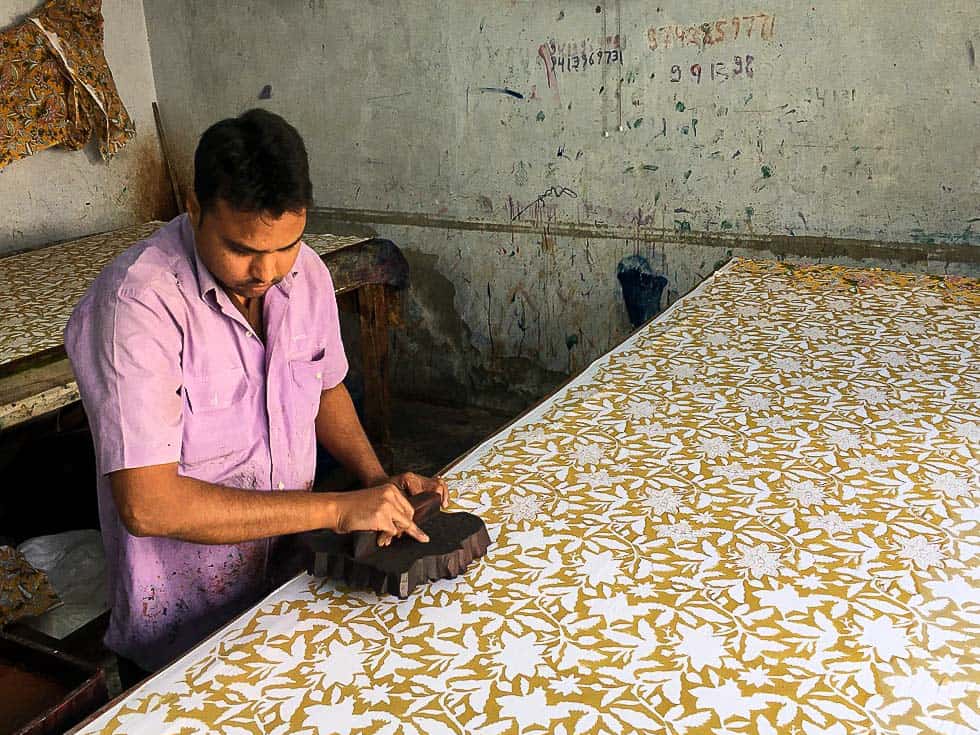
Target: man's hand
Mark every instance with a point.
(412, 484)
(384, 508)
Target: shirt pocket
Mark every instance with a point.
(307, 384)
(216, 426)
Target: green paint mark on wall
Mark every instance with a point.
(687, 175)
(682, 225)
(967, 237)
(628, 169)
(540, 115)
(656, 197)
(638, 122)
(680, 107)
(749, 211)
(650, 167)
(766, 172)
(726, 225)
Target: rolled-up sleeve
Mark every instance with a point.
(125, 351)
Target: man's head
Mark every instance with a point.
(251, 192)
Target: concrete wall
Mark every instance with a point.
(58, 194)
(515, 175)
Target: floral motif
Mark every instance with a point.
(807, 493)
(662, 501)
(759, 561)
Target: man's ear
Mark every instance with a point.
(193, 207)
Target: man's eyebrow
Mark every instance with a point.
(249, 249)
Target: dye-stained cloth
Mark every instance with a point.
(55, 85)
(24, 590)
(170, 371)
(758, 515)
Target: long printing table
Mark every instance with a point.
(757, 515)
(41, 287)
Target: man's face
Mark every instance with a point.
(246, 252)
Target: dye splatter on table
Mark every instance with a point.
(757, 515)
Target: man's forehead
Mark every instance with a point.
(256, 230)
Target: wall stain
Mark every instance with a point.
(436, 355)
(152, 196)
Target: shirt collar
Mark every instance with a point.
(205, 281)
(286, 284)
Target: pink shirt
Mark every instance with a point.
(170, 371)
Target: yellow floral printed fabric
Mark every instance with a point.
(41, 287)
(55, 84)
(758, 515)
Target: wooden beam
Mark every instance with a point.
(373, 309)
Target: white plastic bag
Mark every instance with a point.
(75, 563)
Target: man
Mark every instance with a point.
(209, 362)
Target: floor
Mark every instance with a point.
(425, 439)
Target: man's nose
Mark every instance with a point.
(264, 268)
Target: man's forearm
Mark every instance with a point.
(339, 431)
(155, 501)
(229, 515)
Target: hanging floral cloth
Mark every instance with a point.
(55, 84)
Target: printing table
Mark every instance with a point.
(41, 287)
(759, 514)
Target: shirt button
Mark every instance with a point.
(319, 376)
(281, 486)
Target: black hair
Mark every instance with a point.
(255, 162)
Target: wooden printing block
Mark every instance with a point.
(455, 540)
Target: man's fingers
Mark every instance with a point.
(400, 526)
(417, 533)
(398, 502)
(414, 483)
(405, 508)
(443, 489)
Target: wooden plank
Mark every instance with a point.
(35, 391)
(373, 309)
(371, 262)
